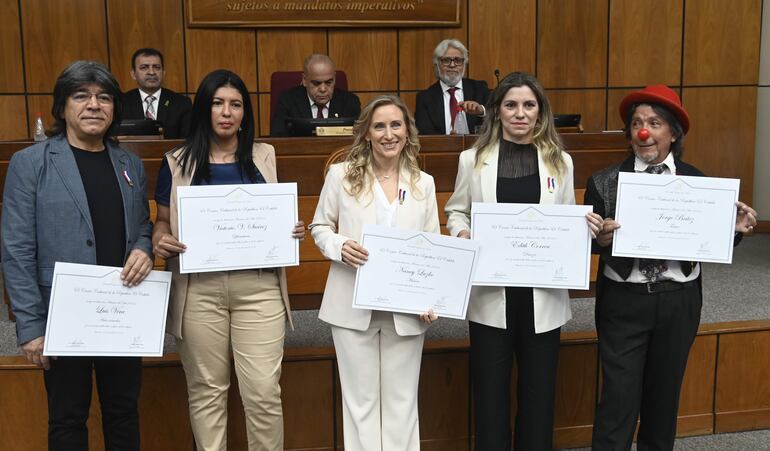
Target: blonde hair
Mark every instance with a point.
(545, 138)
(359, 174)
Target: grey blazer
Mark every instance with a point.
(46, 219)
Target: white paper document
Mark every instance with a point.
(230, 227)
(91, 313)
(532, 245)
(412, 272)
(674, 217)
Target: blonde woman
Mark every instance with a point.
(378, 353)
(518, 158)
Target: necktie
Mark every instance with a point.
(653, 269)
(320, 113)
(149, 111)
(452, 106)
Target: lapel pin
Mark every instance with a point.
(128, 179)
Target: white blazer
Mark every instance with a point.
(339, 217)
(487, 304)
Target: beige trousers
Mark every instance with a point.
(379, 375)
(242, 310)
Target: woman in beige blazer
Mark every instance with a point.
(211, 313)
(378, 353)
(518, 158)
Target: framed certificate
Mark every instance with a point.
(532, 245)
(412, 272)
(91, 313)
(674, 217)
(230, 227)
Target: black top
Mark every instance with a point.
(518, 177)
(221, 174)
(105, 203)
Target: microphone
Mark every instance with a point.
(497, 76)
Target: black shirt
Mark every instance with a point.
(518, 177)
(105, 203)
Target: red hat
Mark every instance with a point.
(660, 94)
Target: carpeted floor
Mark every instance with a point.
(739, 441)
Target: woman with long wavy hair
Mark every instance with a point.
(378, 353)
(211, 313)
(518, 158)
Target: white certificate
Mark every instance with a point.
(412, 272)
(229, 227)
(91, 313)
(674, 217)
(532, 245)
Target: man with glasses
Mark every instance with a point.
(77, 197)
(151, 100)
(445, 105)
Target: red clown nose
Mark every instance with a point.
(643, 134)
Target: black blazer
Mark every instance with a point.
(429, 111)
(294, 103)
(173, 111)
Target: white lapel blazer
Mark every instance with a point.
(487, 304)
(339, 217)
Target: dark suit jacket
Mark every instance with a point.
(294, 103)
(429, 112)
(173, 111)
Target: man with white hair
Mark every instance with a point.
(452, 96)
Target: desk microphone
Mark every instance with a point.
(497, 76)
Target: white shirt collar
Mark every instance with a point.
(445, 86)
(155, 94)
(641, 166)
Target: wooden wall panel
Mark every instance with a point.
(645, 42)
(590, 103)
(572, 43)
(697, 398)
(283, 50)
(164, 396)
(415, 51)
(13, 118)
(722, 133)
(721, 42)
(134, 24)
(264, 114)
(210, 49)
(443, 373)
(28, 392)
(501, 35)
(576, 395)
(614, 97)
(743, 372)
(369, 58)
(11, 70)
(410, 99)
(308, 408)
(58, 33)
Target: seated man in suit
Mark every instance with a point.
(315, 98)
(151, 101)
(437, 107)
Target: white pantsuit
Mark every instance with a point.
(479, 184)
(378, 353)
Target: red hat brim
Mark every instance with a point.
(647, 96)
